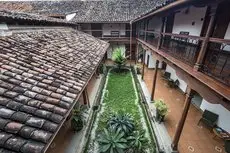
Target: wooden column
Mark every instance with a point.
(205, 42)
(146, 28)
(143, 66)
(154, 80)
(162, 30)
(182, 119)
(137, 53)
(86, 97)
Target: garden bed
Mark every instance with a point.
(119, 96)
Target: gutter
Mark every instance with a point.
(164, 8)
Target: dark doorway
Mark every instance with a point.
(148, 61)
(164, 65)
(96, 29)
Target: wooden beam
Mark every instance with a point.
(86, 97)
(204, 46)
(154, 80)
(181, 123)
(146, 28)
(162, 30)
(165, 8)
(143, 66)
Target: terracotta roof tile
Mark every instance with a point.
(40, 83)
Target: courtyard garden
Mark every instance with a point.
(120, 125)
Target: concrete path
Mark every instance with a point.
(77, 140)
(162, 135)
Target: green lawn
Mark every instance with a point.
(120, 96)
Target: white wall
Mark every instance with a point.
(224, 114)
(111, 49)
(182, 84)
(107, 28)
(152, 60)
(227, 36)
(3, 26)
(183, 22)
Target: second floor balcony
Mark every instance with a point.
(186, 48)
(110, 35)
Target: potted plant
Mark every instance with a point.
(161, 110)
(77, 121)
(138, 68)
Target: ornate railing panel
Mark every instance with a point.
(217, 61)
(185, 48)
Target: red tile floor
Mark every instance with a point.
(197, 139)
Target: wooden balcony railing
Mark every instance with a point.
(217, 60)
(186, 48)
(152, 37)
(183, 47)
(109, 34)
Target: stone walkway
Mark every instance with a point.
(162, 135)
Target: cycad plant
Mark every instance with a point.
(112, 141)
(138, 142)
(77, 121)
(123, 122)
(119, 58)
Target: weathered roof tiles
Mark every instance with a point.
(41, 75)
(24, 16)
(90, 10)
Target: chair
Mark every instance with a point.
(227, 146)
(209, 118)
(166, 75)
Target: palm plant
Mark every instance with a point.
(119, 58)
(138, 142)
(112, 141)
(123, 122)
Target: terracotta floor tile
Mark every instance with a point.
(198, 137)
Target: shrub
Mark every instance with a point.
(161, 107)
(138, 142)
(123, 122)
(112, 141)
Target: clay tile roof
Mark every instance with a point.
(42, 76)
(16, 15)
(90, 10)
